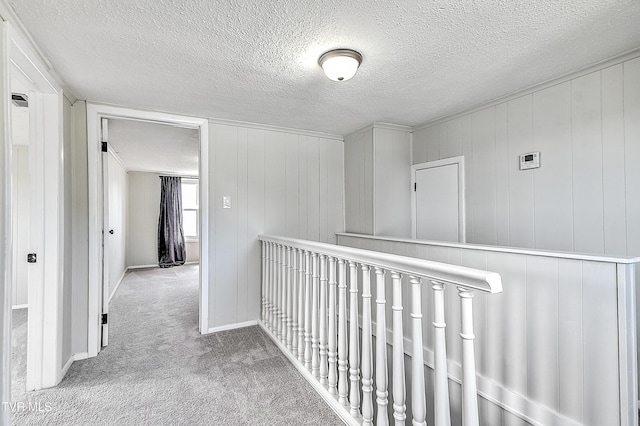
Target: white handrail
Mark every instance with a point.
(311, 308)
(476, 279)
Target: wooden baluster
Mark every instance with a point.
(289, 317)
(267, 278)
(263, 281)
(324, 371)
(270, 289)
(332, 334)
(418, 398)
(343, 367)
(283, 295)
(367, 349)
(315, 329)
(301, 305)
(276, 295)
(354, 342)
(469, 391)
(443, 416)
(294, 302)
(307, 311)
(399, 389)
(381, 350)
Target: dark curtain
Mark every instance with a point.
(171, 247)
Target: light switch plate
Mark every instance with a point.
(226, 201)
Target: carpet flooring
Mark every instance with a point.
(159, 370)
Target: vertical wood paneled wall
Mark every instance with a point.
(377, 180)
(585, 197)
(547, 345)
(280, 183)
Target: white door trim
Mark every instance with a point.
(45, 317)
(461, 196)
(95, 112)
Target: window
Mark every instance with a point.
(190, 214)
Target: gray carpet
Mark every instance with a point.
(159, 370)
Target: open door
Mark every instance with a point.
(105, 232)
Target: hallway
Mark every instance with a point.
(158, 369)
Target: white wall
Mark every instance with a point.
(377, 180)
(358, 159)
(118, 203)
(585, 196)
(281, 183)
(143, 212)
(392, 186)
(144, 209)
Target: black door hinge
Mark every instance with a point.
(415, 186)
(104, 147)
(105, 318)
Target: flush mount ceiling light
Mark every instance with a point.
(340, 64)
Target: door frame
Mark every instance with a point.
(95, 113)
(44, 341)
(462, 237)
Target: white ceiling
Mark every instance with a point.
(152, 147)
(256, 60)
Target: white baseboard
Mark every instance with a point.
(80, 356)
(24, 306)
(72, 358)
(142, 267)
(118, 285)
(193, 262)
(66, 367)
(231, 326)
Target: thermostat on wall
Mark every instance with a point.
(530, 160)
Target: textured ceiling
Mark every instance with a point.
(154, 147)
(256, 60)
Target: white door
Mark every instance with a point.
(105, 233)
(438, 200)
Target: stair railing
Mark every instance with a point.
(311, 294)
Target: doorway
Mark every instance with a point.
(136, 156)
(98, 296)
(438, 205)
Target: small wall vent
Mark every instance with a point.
(20, 100)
